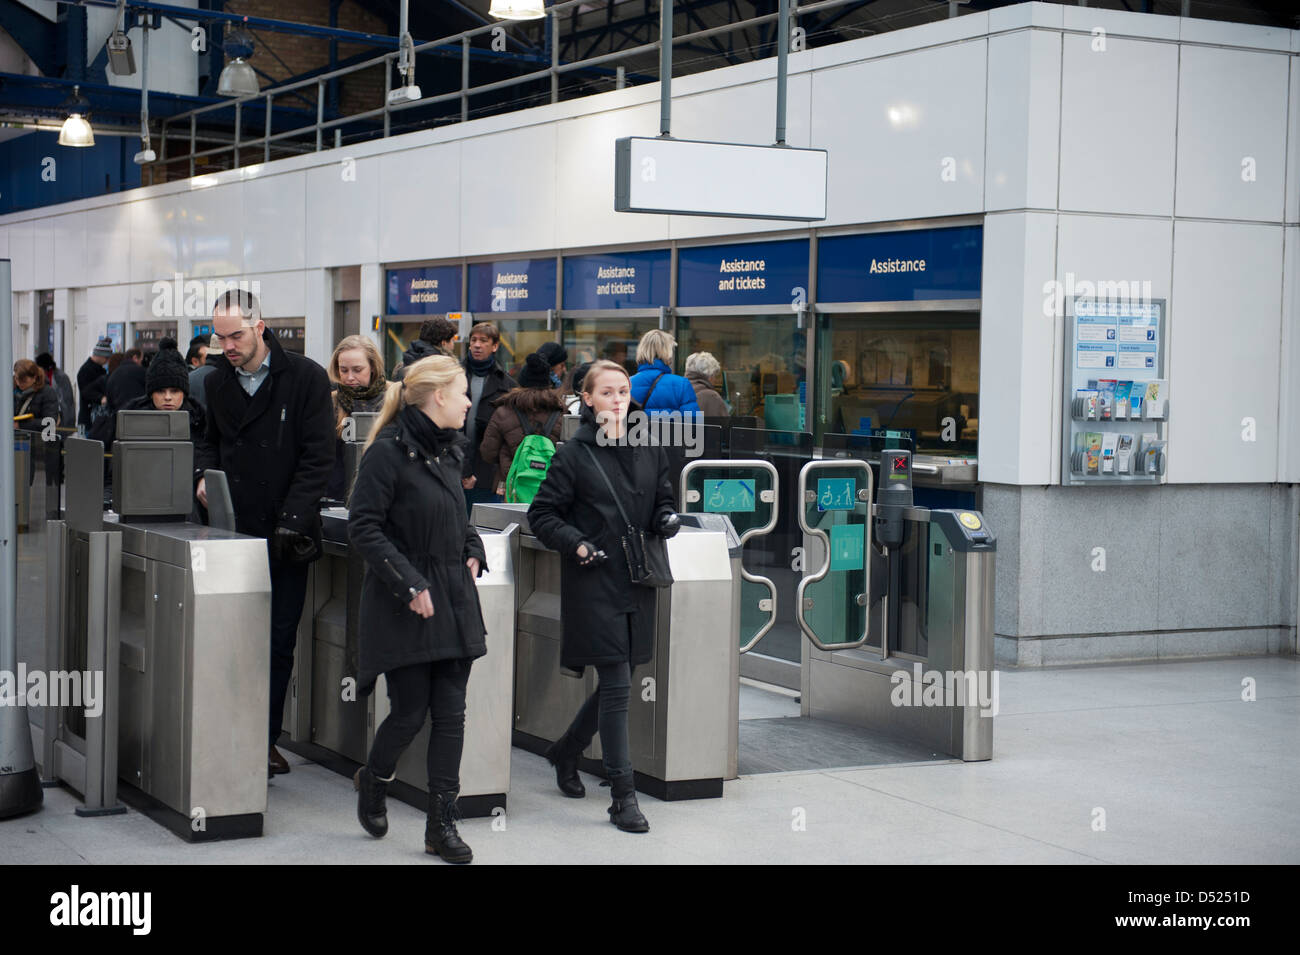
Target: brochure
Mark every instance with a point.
(1105, 399)
(1124, 454)
(1156, 399)
(1108, 442)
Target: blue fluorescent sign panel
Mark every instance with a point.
(836, 494)
(901, 266)
(434, 290)
(515, 285)
(726, 497)
(750, 273)
(617, 280)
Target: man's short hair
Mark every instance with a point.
(486, 329)
(199, 340)
(435, 331)
(193, 353)
(250, 309)
(133, 353)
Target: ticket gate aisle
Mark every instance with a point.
(682, 731)
(899, 632)
(330, 723)
(174, 616)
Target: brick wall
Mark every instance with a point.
(358, 91)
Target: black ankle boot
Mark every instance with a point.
(623, 810)
(440, 835)
(563, 755)
(371, 809)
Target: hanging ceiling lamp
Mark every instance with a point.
(76, 129)
(238, 78)
(517, 9)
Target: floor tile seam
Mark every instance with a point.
(977, 822)
(1143, 706)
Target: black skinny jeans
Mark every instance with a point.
(436, 688)
(606, 711)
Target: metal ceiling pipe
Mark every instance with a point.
(665, 67)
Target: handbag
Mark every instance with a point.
(647, 555)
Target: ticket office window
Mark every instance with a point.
(614, 338)
(910, 371)
(399, 332)
(763, 362)
(519, 338)
(291, 333)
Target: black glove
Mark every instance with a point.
(667, 524)
(595, 556)
(289, 547)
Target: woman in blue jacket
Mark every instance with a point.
(654, 386)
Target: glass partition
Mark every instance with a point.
(615, 338)
(763, 362)
(519, 338)
(913, 373)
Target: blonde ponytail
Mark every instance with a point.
(421, 379)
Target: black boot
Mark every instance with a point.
(563, 755)
(623, 810)
(371, 810)
(440, 835)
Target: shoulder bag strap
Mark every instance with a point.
(550, 424)
(524, 423)
(653, 384)
(608, 485)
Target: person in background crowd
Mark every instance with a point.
(487, 381)
(701, 368)
(41, 401)
(654, 386)
(556, 357)
(126, 382)
(435, 338)
(91, 378)
(356, 370)
(573, 402)
(536, 400)
(616, 352)
(608, 622)
(198, 353)
(271, 429)
(199, 376)
(422, 626)
(62, 386)
(115, 362)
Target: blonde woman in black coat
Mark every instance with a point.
(421, 622)
(608, 622)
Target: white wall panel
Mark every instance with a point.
(282, 294)
(1225, 326)
(507, 199)
(274, 225)
(1023, 120)
(156, 229)
(1018, 367)
(23, 267)
(69, 250)
(342, 212)
(585, 184)
(1231, 106)
(1289, 405)
(891, 124)
(212, 243)
(43, 252)
(108, 245)
(419, 203)
(1293, 140)
(1119, 22)
(1118, 108)
(4, 242)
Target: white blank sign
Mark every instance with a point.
(689, 178)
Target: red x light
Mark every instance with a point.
(900, 464)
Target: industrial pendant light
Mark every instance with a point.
(517, 9)
(238, 78)
(76, 129)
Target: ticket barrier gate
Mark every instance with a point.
(330, 723)
(173, 617)
(899, 637)
(681, 730)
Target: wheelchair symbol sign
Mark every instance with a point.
(836, 494)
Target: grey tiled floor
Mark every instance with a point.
(1185, 771)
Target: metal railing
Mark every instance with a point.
(459, 44)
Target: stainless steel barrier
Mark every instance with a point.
(681, 716)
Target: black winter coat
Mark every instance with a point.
(497, 384)
(573, 505)
(91, 378)
(41, 404)
(125, 385)
(407, 521)
(276, 447)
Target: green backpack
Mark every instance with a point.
(531, 461)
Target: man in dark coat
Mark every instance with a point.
(199, 376)
(271, 429)
(91, 378)
(127, 383)
(487, 381)
(435, 338)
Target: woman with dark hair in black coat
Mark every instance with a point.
(421, 622)
(608, 622)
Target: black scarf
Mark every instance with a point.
(425, 433)
(483, 367)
